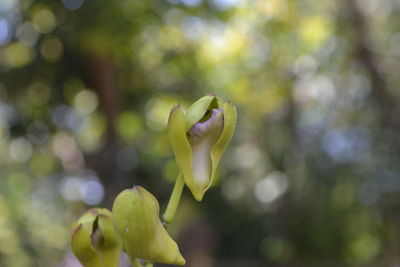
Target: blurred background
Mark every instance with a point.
(311, 177)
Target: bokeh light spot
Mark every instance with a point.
(44, 20)
(27, 34)
(42, 165)
(226, 4)
(247, 155)
(39, 93)
(18, 183)
(7, 113)
(18, 55)
(90, 135)
(271, 187)
(233, 189)
(21, 149)
(274, 248)
(5, 31)
(129, 125)
(72, 4)
(37, 132)
(86, 101)
(191, 3)
(194, 28)
(51, 49)
(70, 189)
(7, 5)
(157, 113)
(66, 149)
(314, 30)
(92, 192)
(363, 248)
(65, 117)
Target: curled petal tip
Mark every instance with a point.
(181, 261)
(198, 197)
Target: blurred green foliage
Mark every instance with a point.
(311, 177)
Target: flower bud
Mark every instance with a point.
(93, 239)
(199, 137)
(136, 220)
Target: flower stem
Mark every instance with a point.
(149, 264)
(173, 203)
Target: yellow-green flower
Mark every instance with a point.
(136, 220)
(93, 239)
(199, 137)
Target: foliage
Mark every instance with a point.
(311, 178)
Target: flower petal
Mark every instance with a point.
(197, 110)
(94, 241)
(230, 118)
(136, 219)
(107, 231)
(181, 147)
(81, 246)
(202, 137)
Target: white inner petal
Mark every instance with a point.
(202, 162)
(202, 137)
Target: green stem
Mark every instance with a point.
(173, 203)
(149, 264)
